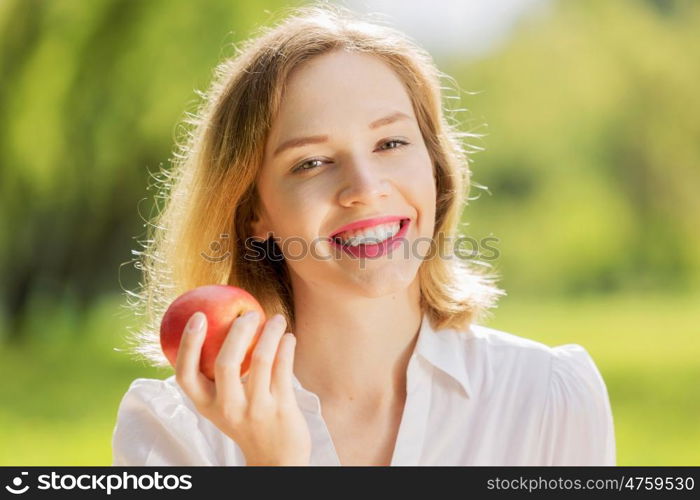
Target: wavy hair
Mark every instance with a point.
(210, 192)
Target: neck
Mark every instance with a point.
(356, 347)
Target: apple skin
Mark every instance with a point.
(221, 304)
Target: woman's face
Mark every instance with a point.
(356, 166)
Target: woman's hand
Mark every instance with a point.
(261, 415)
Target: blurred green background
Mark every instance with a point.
(589, 161)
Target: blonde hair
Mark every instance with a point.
(210, 192)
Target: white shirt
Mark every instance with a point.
(474, 397)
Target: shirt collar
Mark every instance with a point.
(445, 350)
(441, 348)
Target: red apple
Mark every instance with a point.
(221, 304)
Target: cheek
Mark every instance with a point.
(299, 209)
(420, 180)
(421, 186)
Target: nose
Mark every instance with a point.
(363, 182)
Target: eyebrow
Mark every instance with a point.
(316, 139)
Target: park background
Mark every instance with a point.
(587, 155)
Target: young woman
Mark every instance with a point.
(324, 136)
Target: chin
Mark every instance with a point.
(381, 280)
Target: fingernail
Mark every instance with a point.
(196, 322)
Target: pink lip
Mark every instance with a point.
(377, 249)
(367, 223)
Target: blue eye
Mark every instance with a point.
(300, 166)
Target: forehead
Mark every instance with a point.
(338, 89)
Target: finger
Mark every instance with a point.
(187, 373)
(283, 369)
(264, 355)
(227, 368)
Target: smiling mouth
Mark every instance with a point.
(337, 240)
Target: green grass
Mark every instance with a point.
(61, 392)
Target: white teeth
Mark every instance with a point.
(375, 234)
